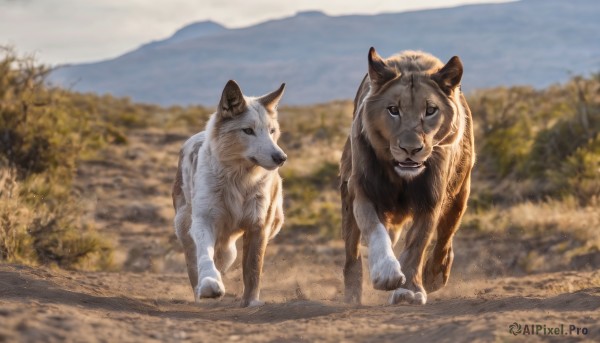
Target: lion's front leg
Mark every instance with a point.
(353, 274)
(437, 269)
(412, 259)
(384, 268)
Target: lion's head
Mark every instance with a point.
(412, 107)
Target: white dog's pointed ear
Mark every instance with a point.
(232, 100)
(271, 100)
(448, 78)
(379, 71)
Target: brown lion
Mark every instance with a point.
(409, 156)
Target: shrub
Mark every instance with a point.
(42, 136)
(523, 134)
(579, 174)
(16, 244)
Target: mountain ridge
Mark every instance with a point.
(323, 58)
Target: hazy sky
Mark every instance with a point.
(67, 31)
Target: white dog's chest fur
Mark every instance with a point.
(243, 206)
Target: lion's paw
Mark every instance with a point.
(252, 303)
(433, 281)
(210, 288)
(436, 275)
(386, 274)
(403, 295)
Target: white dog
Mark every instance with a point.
(228, 186)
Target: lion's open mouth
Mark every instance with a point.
(408, 164)
(408, 168)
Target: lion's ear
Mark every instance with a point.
(448, 78)
(379, 71)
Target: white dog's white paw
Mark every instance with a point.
(405, 295)
(386, 274)
(210, 288)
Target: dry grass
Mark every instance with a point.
(34, 231)
(16, 245)
(537, 236)
(552, 216)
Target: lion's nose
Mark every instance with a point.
(411, 150)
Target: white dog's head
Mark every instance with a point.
(246, 128)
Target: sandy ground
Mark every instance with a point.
(148, 297)
(303, 304)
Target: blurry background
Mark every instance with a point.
(68, 31)
(96, 97)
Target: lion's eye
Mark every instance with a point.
(248, 131)
(431, 110)
(393, 110)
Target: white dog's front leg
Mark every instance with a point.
(210, 284)
(385, 270)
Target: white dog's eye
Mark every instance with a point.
(393, 110)
(272, 131)
(431, 110)
(248, 131)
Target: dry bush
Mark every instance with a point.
(42, 137)
(16, 244)
(547, 137)
(579, 174)
(34, 230)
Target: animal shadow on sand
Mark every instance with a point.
(18, 286)
(15, 286)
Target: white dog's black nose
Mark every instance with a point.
(279, 158)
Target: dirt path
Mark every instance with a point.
(303, 304)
